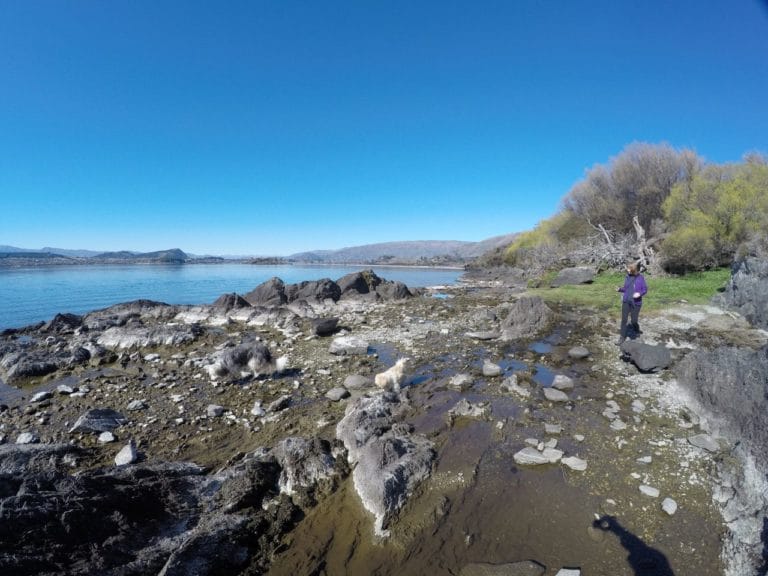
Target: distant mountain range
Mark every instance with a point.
(412, 252)
(423, 252)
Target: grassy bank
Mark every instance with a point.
(695, 288)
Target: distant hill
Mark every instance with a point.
(410, 252)
(49, 250)
(172, 255)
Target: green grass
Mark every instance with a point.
(695, 288)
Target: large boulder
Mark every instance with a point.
(576, 275)
(313, 291)
(140, 336)
(526, 317)
(231, 301)
(304, 464)
(62, 323)
(269, 293)
(747, 290)
(390, 460)
(357, 283)
(19, 366)
(647, 357)
(393, 290)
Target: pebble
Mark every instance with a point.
(562, 382)
(336, 394)
(618, 424)
(575, 463)
(27, 438)
(705, 442)
(461, 381)
(649, 491)
(106, 437)
(127, 455)
(578, 437)
(136, 405)
(569, 572)
(257, 410)
(669, 506)
(214, 410)
(645, 460)
(638, 406)
(554, 395)
(553, 428)
(64, 389)
(490, 369)
(578, 352)
(40, 396)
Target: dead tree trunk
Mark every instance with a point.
(644, 252)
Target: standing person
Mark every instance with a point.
(632, 299)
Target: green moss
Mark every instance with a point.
(695, 288)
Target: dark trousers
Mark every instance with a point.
(629, 309)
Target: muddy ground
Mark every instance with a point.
(478, 505)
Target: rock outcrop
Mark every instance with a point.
(577, 275)
(747, 290)
(526, 317)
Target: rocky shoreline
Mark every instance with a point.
(248, 437)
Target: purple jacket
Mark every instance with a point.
(640, 286)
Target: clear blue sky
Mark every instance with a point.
(269, 127)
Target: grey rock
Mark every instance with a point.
(357, 283)
(562, 382)
(62, 323)
(99, 420)
(649, 491)
(576, 275)
(646, 357)
(553, 429)
(135, 405)
(461, 381)
(393, 291)
(575, 463)
(214, 411)
(232, 301)
(41, 396)
(313, 291)
(106, 438)
(465, 408)
(27, 438)
(579, 353)
(304, 464)
(529, 456)
(525, 568)
(527, 316)
(127, 455)
(64, 389)
(554, 395)
(747, 290)
(357, 382)
(705, 442)
(510, 384)
(669, 506)
(391, 461)
(129, 336)
(484, 335)
(280, 404)
(269, 293)
(336, 394)
(490, 369)
(349, 346)
(325, 326)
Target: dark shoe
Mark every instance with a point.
(636, 328)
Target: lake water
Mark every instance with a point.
(29, 295)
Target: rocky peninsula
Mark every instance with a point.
(248, 436)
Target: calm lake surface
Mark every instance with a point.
(29, 295)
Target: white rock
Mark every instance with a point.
(349, 345)
(562, 382)
(127, 455)
(64, 389)
(645, 459)
(669, 506)
(638, 406)
(649, 491)
(578, 437)
(106, 437)
(554, 395)
(134, 405)
(40, 396)
(618, 424)
(575, 463)
(257, 410)
(551, 443)
(705, 442)
(461, 381)
(553, 428)
(552, 455)
(214, 410)
(336, 394)
(491, 369)
(27, 438)
(569, 572)
(530, 456)
(510, 384)
(532, 441)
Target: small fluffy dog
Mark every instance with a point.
(394, 377)
(246, 360)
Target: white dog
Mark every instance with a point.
(394, 377)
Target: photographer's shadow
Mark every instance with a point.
(644, 560)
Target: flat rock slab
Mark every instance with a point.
(575, 275)
(575, 463)
(579, 353)
(484, 335)
(554, 395)
(336, 394)
(99, 420)
(349, 346)
(705, 442)
(525, 568)
(646, 357)
(529, 456)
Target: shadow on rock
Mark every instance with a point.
(763, 570)
(644, 560)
